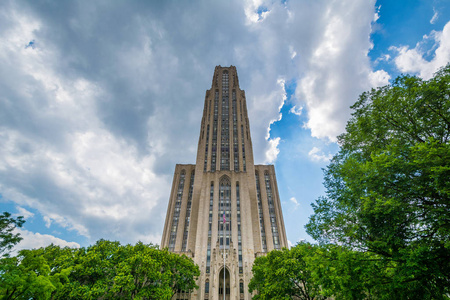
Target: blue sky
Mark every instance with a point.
(94, 95)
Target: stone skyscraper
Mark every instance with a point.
(224, 203)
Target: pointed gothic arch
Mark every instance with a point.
(225, 180)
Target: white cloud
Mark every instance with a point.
(379, 78)
(293, 200)
(290, 244)
(293, 52)
(34, 240)
(413, 61)
(376, 16)
(48, 221)
(273, 151)
(338, 57)
(275, 95)
(274, 100)
(317, 155)
(435, 16)
(23, 212)
(385, 57)
(296, 110)
(252, 8)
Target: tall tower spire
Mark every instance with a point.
(225, 142)
(224, 211)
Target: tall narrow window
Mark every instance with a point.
(207, 286)
(176, 213)
(214, 137)
(261, 215)
(238, 208)
(209, 114)
(188, 212)
(225, 126)
(243, 149)
(235, 135)
(206, 148)
(208, 249)
(224, 213)
(273, 217)
(240, 102)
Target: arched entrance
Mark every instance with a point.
(227, 284)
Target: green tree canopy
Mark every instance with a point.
(310, 272)
(388, 188)
(106, 270)
(29, 276)
(8, 239)
(285, 274)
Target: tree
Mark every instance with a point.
(388, 188)
(29, 276)
(285, 274)
(309, 271)
(183, 272)
(8, 239)
(342, 273)
(106, 270)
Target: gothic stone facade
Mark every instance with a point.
(224, 205)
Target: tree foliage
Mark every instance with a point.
(312, 272)
(28, 276)
(388, 188)
(8, 239)
(285, 274)
(106, 270)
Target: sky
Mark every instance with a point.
(100, 99)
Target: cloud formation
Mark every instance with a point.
(337, 56)
(36, 240)
(435, 16)
(413, 61)
(294, 200)
(296, 110)
(24, 213)
(316, 154)
(100, 100)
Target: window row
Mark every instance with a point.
(273, 219)
(176, 213)
(261, 215)
(188, 212)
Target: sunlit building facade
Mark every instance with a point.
(224, 210)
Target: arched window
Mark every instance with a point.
(207, 286)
